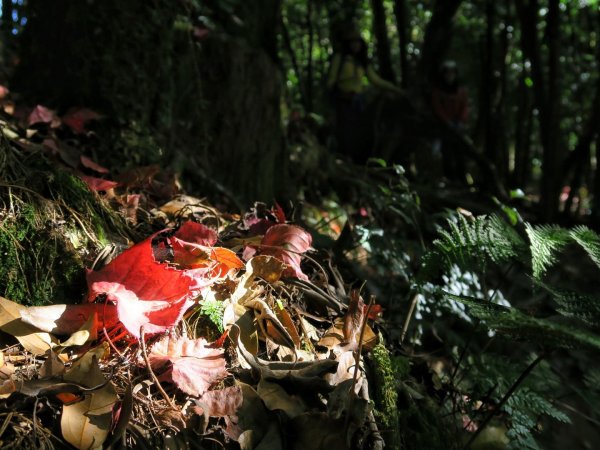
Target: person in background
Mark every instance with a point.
(450, 103)
(349, 74)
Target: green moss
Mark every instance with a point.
(386, 394)
(37, 267)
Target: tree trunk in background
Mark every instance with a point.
(382, 41)
(523, 131)
(133, 64)
(488, 86)
(546, 97)
(402, 24)
(438, 35)
(309, 63)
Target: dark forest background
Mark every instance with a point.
(214, 82)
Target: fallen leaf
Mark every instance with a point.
(287, 243)
(275, 397)
(78, 118)
(220, 402)
(86, 424)
(147, 293)
(41, 114)
(67, 319)
(266, 267)
(195, 366)
(31, 338)
(316, 431)
(98, 184)
(90, 164)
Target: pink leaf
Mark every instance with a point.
(98, 184)
(195, 366)
(41, 114)
(287, 243)
(78, 118)
(90, 164)
(220, 402)
(197, 233)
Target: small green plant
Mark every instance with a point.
(213, 309)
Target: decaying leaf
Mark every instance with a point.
(31, 338)
(287, 243)
(266, 267)
(86, 424)
(275, 397)
(317, 431)
(220, 402)
(195, 367)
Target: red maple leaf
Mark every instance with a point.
(195, 367)
(147, 293)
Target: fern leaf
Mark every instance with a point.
(512, 322)
(574, 304)
(545, 243)
(589, 241)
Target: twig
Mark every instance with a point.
(411, 310)
(151, 372)
(504, 399)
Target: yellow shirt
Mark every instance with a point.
(350, 77)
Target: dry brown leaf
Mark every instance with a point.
(266, 267)
(86, 424)
(275, 397)
(269, 324)
(31, 338)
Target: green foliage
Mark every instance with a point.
(478, 244)
(546, 242)
(472, 244)
(213, 309)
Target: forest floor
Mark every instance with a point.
(137, 316)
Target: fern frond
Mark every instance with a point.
(512, 322)
(545, 243)
(589, 241)
(574, 304)
(471, 245)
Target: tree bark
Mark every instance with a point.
(382, 42)
(219, 105)
(546, 94)
(402, 23)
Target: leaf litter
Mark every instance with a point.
(136, 364)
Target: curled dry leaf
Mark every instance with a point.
(77, 118)
(91, 164)
(195, 367)
(41, 114)
(287, 243)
